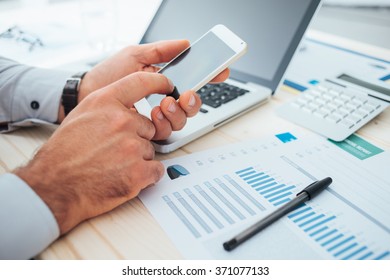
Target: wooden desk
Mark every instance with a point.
(129, 231)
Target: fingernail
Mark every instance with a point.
(172, 107)
(192, 101)
(160, 115)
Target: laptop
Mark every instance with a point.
(273, 31)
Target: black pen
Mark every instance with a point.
(306, 194)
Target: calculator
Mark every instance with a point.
(336, 108)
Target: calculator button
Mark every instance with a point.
(344, 110)
(345, 97)
(327, 109)
(353, 119)
(340, 114)
(355, 104)
(374, 105)
(334, 106)
(367, 108)
(320, 114)
(339, 101)
(360, 114)
(360, 100)
(347, 124)
(333, 118)
(350, 107)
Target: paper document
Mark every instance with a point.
(317, 61)
(216, 194)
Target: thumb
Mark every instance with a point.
(136, 86)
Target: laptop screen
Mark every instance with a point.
(272, 29)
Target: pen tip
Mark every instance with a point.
(230, 245)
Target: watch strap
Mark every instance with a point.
(70, 92)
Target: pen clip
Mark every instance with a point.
(316, 187)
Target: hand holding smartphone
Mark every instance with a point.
(198, 64)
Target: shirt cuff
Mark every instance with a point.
(27, 224)
(37, 95)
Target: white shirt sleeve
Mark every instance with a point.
(27, 226)
(29, 95)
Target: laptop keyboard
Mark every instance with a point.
(214, 95)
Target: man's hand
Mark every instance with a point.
(171, 115)
(101, 155)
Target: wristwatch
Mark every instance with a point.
(70, 92)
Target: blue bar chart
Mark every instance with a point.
(274, 192)
(213, 205)
(321, 228)
(324, 230)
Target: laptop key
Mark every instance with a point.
(212, 103)
(242, 91)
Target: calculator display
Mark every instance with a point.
(364, 84)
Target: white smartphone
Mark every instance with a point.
(198, 64)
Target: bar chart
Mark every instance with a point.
(319, 227)
(232, 188)
(324, 230)
(275, 193)
(206, 208)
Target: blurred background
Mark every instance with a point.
(362, 20)
(79, 28)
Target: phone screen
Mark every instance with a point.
(194, 64)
